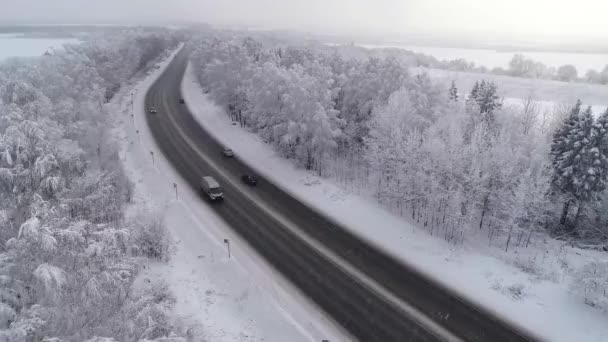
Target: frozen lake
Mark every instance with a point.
(14, 45)
(492, 58)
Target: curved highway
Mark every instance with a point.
(259, 216)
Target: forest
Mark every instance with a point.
(458, 163)
(68, 255)
(522, 66)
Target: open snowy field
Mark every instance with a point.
(493, 58)
(220, 298)
(547, 91)
(12, 45)
(529, 287)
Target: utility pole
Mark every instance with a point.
(152, 154)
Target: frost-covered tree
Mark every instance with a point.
(529, 114)
(591, 283)
(567, 73)
(449, 165)
(453, 92)
(598, 170)
(294, 111)
(574, 161)
(474, 92)
(487, 97)
(481, 105)
(65, 269)
(521, 66)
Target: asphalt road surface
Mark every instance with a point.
(265, 216)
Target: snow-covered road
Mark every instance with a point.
(236, 298)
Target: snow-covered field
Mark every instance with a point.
(526, 286)
(493, 58)
(220, 298)
(14, 46)
(513, 88)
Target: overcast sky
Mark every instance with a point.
(522, 17)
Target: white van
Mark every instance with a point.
(211, 188)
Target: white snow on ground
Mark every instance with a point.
(548, 92)
(536, 299)
(236, 298)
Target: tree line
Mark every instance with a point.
(518, 66)
(461, 165)
(449, 160)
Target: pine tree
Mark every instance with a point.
(487, 98)
(583, 162)
(572, 159)
(474, 92)
(560, 137)
(472, 109)
(559, 146)
(598, 173)
(453, 92)
(482, 87)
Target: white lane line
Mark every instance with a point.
(412, 312)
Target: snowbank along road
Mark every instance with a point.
(369, 293)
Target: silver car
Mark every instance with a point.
(227, 152)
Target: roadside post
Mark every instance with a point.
(152, 154)
(132, 108)
(175, 186)
(227, 242)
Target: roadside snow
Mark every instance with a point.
(536, 299)
(239, 298)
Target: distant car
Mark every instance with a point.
(152, 110)
(182, 101)
(227, 152)
(249, 180)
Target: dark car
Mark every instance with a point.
(249, 180)
(182, 101)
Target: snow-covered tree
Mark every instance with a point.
(591, 283)
(450, 165)
(575, 161)
(487, 98)
(567, 73)
(481, 105)
(453, 92)
(597, 172)
(529, 114)
(64, 266)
